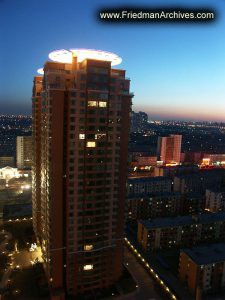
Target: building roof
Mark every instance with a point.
(195, 195)
(183, 220)
(217, 189)
(203, 174)
(204, 255)
(147, 179)
(180, 167)
(157, 194)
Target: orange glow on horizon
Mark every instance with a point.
(156, 113)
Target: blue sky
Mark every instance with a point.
(177, 71)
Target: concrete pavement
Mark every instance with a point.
(25, 258)
(3, 245)
(146, 289)
(19, 258)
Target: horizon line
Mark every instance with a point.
(154, 120)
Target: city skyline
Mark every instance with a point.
(178, 71)
(76, 187)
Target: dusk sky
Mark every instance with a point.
(177, 71)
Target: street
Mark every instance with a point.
(19, 258)
(144, 281)
(3, 245)
(25, 258)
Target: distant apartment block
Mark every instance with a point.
(139, 121)
(215, 199)
(149, 185)
(167, 204)
(169, 149)
(145, 206)
(199, 182)
(23, 152)
(193, 203)
(172, 171)
(202, 269)
(184, 231)
(147, 161)
(214, 159)
(136, 151)
(193, 157)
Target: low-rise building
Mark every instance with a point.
(172, 171)
(215, 199)
(149, 185)
(200, 181)
(202, 269)
(145, 206)
(181, 231)
(166, 204)
(214, 159)
(193, 203)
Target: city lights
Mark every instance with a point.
(25, 187)
(90, 150)
(88, 267)
(33, 247)
(8, 173)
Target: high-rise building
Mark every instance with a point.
(81, 115)
(139, 121)
(23, 152)
(36, 157)
(169, 149)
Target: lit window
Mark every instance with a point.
(81, 136)
(88, 267)
(102, 104)
(91, 144)
(88, 247)
(99, 136)
(92, 103)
